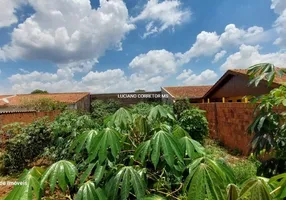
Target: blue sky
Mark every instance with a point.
(119, 46)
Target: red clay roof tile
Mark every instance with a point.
(188, 91)
(277, 79)
(17, 100)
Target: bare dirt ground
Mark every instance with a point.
(5, 189)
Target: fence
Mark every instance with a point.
(25, 117)
(228, 123)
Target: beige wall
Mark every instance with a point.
(167, 100)
(83, 104)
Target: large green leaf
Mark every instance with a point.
(84, 140)
(142, 151)
(168, 144)
(98, 173)
(30, 189)
(126, 179)
(62, 173)
(122, 118)
(232, 192)
(154, 197)
(191, 148)
(88, 191)
(206, 180)
(255, 189)
(141, 124)
(264, 71)
(279, 182)
(161, 142)
(179, 132)
(108, 138)
(158, 112)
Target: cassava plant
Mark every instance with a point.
(269, 126)
(141, 156)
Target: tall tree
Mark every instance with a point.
(38, 91)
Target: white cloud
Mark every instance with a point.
(279, 6)
(206, 44)
(112, 80)
(236, 36)
(156, 80)
(280, 25)
(79, 66)
(73, 36)
(162, 15)
(61, 74)
(2, 55)
(61, 81)
(164, 62)
(108, 77)
(69, 31)
(185, 74)
(206, 77)
(24, 71)
(219, 56)
(209, 43)
(249, 55)
(155, 62)
(8, 12)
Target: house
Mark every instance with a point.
(78, 101)
(234, 86)
(194, 94)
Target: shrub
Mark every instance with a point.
(141, 108)
(71, 122)
(43, 104)
(180, 106)
(102, 109)
(26, 146)
(195, 123)
(64, 129)
(12, 129)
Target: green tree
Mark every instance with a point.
(140, 91)
(38, 91)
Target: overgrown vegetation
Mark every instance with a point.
(145, 152)
(195, 123)
(243, 168)
(42, 104)
(101, 109)
(180, 106)
(269, 126)
(23, 148)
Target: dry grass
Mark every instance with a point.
(242, 166)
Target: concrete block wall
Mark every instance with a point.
(26, 117)
(228, 123)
